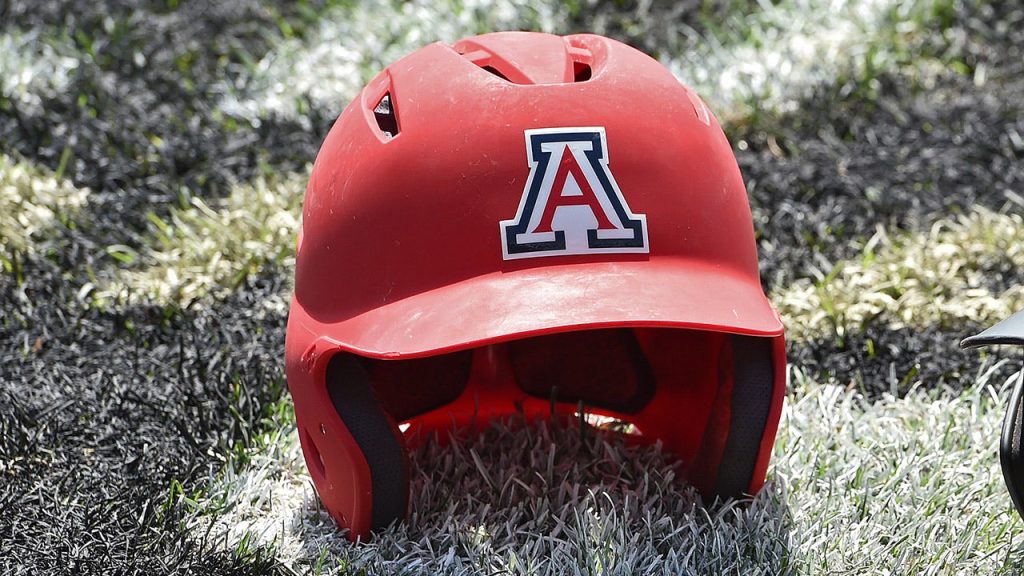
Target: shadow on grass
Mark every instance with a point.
(102, 410)
(545, 498)
(877, 359)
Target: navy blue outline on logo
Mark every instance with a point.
(541, 160)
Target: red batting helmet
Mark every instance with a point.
(516, 219)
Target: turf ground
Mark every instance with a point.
(153, 157)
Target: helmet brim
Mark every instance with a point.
(657, 293)
(1009, 331)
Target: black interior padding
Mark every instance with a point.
(603, 368)
(753, 383)
(348, 384)
(1010, 449)
(408, 388)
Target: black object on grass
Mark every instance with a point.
(1011, 451)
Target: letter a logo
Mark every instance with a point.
(571, 203)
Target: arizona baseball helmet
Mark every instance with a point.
(520, 223)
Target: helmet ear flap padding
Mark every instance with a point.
(751, 401)
(378, 437)
(732, 441)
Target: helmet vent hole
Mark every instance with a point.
(496, 72)
(581, 71)
(384, 113)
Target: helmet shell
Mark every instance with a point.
(404, 251)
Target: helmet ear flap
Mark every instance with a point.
(379, 439)
(1011, 445)
(729, 451)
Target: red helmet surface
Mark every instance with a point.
(518, 218)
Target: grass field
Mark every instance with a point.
(153, 157)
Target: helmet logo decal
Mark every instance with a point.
(571, 203)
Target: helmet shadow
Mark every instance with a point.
(552, 495)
